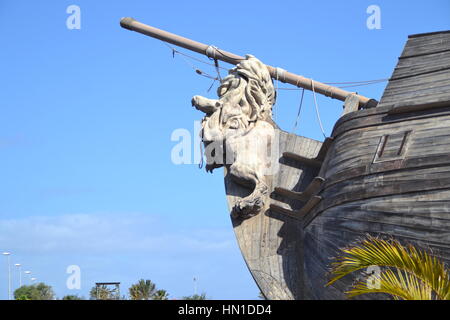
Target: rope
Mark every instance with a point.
(189, 56)
(225, 55)
(211, 52)
(356, 84)
(197, 70)
(347, 84)
(276, 98)
(200, 164)
(216, 64)
(299, 110)
(317, 109)
(364, 81)
(362, 84)
(212, 84)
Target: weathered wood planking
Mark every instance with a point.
(422, 75)
(421, 218)
(270, 241)
(410, 201)
(387, 172)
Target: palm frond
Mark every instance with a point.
(414, 263)
(400, 285)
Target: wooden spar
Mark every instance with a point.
(210, 51)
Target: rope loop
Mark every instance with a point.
(211, 52)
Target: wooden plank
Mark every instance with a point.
(423, 46)
(298, 214)
(415, 65)
(304, 196)
(324, 149)
(313, 201)
(300, 196)
(387, 216)
(301, 159)
(386, 119)
(351, 104)
(284, 210)
(422, 76)
(314, 186)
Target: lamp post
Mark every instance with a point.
(28, 273)
(8, 255)
(33, 279)
(195, 286)
(18, 265)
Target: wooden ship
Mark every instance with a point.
(384, 171)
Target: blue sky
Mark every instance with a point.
(86, 118)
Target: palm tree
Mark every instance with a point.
(196, 297)
(143, 290)
(407, 273)
(72, 297)
(101, 293)
(160, 295)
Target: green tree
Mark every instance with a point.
(39, 291)
(101, 293)
(142, 290)
(160, 295)
(72, 297)
(406, 272)
(196, 297)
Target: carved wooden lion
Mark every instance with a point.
(237, 130)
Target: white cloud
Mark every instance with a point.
(105, 233)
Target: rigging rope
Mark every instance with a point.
(299, 110)
(356, 84)
(347, 84)
(197, 70)
(317, 109)
(216, 64)
(200, 164)
(211, 53)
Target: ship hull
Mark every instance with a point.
(384, 171)
(386, 174)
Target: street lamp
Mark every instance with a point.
(195, 286)
(28, 273)
(18, 265)
(8, 255)
(33, 279)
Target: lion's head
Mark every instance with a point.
(246, 95)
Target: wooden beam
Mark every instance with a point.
(215, 53)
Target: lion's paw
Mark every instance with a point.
(248, 207)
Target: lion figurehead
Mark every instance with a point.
(246, 96)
